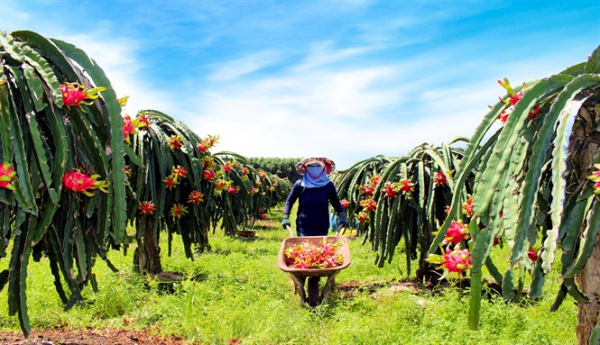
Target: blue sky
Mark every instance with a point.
(343, 79)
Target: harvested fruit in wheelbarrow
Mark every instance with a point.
(309, 255)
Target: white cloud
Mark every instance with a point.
(244, 65)
(118, 58)
(322, 53)
(297, 114)
(354, 113)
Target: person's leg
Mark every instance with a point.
(313, 291)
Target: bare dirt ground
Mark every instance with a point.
(89, 337)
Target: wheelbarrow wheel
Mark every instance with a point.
(314, 297)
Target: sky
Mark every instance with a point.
(344, 79)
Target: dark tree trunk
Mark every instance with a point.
(584, 144)
(147, 254)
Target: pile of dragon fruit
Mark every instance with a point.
(308, 255)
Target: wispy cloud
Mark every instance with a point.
(244, 65)
(323, 53)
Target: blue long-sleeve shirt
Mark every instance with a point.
(313, 208)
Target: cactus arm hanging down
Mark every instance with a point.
(34, 129)
(117, 187)
(508, 137)
(536, 160)
(459, 184)
(559, 184)
(588, 240)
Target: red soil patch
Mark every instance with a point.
(89, 337)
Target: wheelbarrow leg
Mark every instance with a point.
(299, 286)
(328, 286)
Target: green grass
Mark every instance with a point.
(237, 291)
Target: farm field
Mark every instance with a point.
(235, 294)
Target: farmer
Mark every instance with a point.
(315, 191)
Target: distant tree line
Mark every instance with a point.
(283, 167)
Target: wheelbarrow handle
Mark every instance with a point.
(339, 228)
(290, 231)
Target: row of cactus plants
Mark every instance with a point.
(530, 182)
(180, 187)
(402, 199)
(74, 171)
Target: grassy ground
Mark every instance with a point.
(237, 291)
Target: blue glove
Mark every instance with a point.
(285, 222)
(343, 219)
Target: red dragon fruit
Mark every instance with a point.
(141, 122)
(75, 94)
(128, 128)
(468, 207)
(534, 112)
(79, 182)
(147, 208)
(179, 172)
(362, 217)
(407, 186)
(7, 175)
(368, 204)
(390, 189)
(208, 175)
(178, 211)
(175, 142)
(207, 162)
(454, 261)
(232, 190)
(368, 190)
(171, 181)
(532, 255)
(457, 232)
(201, 147)
(440, 179)
(195, 197)
(127, 171)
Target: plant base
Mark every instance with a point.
(246, 233)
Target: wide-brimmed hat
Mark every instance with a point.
(326, 163)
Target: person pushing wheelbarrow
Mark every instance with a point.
(315, 192)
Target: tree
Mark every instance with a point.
(282, 167)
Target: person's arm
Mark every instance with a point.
(289, 203)
(337, 206)
(291, 199)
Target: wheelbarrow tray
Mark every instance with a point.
(316, 240)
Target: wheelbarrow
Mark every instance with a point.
(299, 275)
